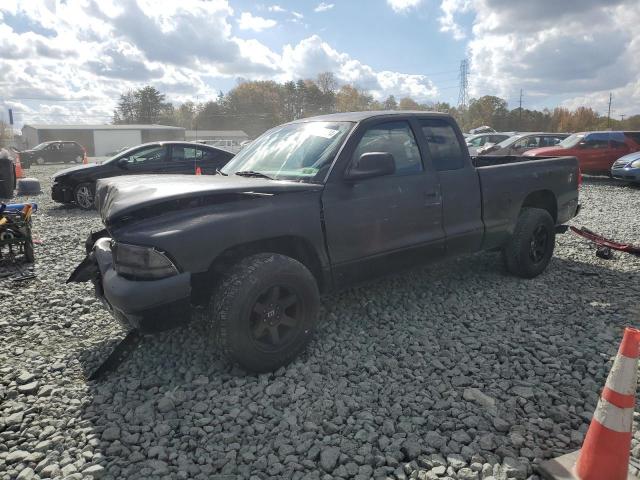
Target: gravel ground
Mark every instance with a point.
(456, 370)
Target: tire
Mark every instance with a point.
(28, 186)
(84, 195)
(264, 312)
(40, 161)
(530, 249)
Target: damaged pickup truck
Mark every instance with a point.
(312, 206)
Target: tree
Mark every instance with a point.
(126, 110)
(408, 103)
(489, 110)
(350, 99)
(149, 104)
(145, 105)
(390, 103)
(327, 82)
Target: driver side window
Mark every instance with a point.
(146, 155)
(395, 138)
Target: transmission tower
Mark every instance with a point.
(463, 96)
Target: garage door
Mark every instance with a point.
(107, 142)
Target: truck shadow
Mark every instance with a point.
(539, 350)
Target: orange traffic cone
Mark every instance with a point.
(605, 450)
(19, 171)
(198, 171)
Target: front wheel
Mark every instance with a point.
(83, 195)
(40, 161)
(530, 249)
(264, 311)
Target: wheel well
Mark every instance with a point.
(543, 199)
(291, 246)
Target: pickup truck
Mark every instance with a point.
(312, 206)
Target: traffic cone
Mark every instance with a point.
(605, 450)
(19, 171)
(198, 171)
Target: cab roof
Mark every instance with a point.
(360, 116)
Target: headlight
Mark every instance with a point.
(144, 263)
(635, 164)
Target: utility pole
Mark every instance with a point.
(622, 117)
(520, 112)
(463, 95)
(609, 112)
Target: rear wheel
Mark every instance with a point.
(84, 195)
(264, 312)
(531, 247)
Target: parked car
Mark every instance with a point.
(518, 144)
(474, 142)
(596, 151)
(482, 129)
(312, 206)
(627, 168)
(77, 184)
(53, 152)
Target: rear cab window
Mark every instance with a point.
(444, 147)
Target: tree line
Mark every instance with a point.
(255, 106)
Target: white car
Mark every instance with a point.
(474, 142)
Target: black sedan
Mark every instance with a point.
(77, 184)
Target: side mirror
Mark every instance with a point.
(371, 164)
(123, 163)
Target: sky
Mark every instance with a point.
(68, 61)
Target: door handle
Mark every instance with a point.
(432, 198)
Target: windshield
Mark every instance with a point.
(571, 140)
(509, 141)
(301, 152)
(41, 146)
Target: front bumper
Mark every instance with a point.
(629, 174)
(61, 193)
(148, 305)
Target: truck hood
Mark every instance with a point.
(142, 196)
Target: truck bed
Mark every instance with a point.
(506, 180)
(491, 160)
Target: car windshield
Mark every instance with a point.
(509, 141)
(301, 152)
(41, 146)
(571, 140)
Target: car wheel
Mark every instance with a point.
(530, 249)
(264, 312)
(40, 161)
(84, 195)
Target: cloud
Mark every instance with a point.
(323, 7)
(69, 62)
(249, 22)
(399, 6)
(447, 22)
(575, 49)
(312, 56)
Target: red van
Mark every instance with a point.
(596, 151)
